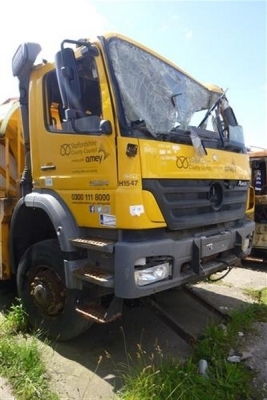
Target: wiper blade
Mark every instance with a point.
(212, 108)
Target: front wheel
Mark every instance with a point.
(49, 304)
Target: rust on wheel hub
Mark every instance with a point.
(48, 291)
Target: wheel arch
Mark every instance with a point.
(36, 217)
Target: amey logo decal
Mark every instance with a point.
(101, 155)
(89, 149)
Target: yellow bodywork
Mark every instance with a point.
(11, 148)
(11, 165)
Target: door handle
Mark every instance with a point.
(48, 167)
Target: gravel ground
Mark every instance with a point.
(5, 390)
(255, 346)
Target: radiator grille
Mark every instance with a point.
(191, 203)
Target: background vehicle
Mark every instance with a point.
(258, 161)
(127, 177)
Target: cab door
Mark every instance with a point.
(79, 165)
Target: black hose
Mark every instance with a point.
(228, 269)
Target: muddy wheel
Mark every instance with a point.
(41, 286)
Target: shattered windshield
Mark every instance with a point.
(155, 93)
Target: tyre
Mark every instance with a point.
(50, 306)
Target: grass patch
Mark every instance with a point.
(161, 377)
(258, 295)
(15, 320)
(20, 358)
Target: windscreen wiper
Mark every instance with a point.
(210, 111)
(212, 108)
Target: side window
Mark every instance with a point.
(54, 108)
(89, 104)
(90, 87)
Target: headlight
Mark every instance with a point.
(153, 274)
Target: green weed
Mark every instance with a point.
(160, 378)
(15, 320)
(21, 359)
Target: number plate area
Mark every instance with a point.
(208, 246)
(214, 244)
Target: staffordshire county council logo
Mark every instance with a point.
(182, 162)
(65, 149)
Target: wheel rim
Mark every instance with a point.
(48, 291)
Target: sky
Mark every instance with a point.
(219, 42)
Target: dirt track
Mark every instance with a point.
(87, 367)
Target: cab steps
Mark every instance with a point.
(95, 275)
(97, 313)
(103, 245)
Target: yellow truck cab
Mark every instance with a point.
(135, 181)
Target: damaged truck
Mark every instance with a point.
(120, 176)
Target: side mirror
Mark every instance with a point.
(68, 79)
(90, 124)
(236, 134)
(106, 127)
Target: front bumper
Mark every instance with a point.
(229, 246)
